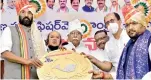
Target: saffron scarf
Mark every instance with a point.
(38, 45)
(25, 71)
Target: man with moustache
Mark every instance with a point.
(118, 39)
(135, 61)
(63, 6)
(11, 7)
(99, 57)
(116, 43)
(75, 4)
(75, 37)
(11, 4)
(88, 6)
(115, 7)
(22, 45)
(101, 6)
(50, 4)
(10, 11)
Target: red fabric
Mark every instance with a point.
(127, 11)
(20, 4)
(2, 68)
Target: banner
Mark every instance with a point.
(54, 18)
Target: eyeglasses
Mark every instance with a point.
(111, 21)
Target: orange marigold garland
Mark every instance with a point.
(41, 4)
(87, 28)
(144, 6)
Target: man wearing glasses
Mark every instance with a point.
(116, 43)
(118, 39)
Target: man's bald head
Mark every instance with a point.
(112, 18)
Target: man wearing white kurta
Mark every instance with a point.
(102, 8)
(117, 41)
(75, 37)
(19, 45)
(112, 52)
(99, 57)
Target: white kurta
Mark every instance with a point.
(147, 76)
(61, 11)
(113, 9)
(101, 55)
(114, 49)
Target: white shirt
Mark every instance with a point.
(100, 55)
(102, 11)
(113, 9)
(0, 43)
(114, 49)
(71, 10)
(98, 10)
(0, 31)
(81, 48)
(49, 10)
(147, 76)
(9, 16)
(6, 40)
(61, 11)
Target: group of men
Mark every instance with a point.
(88, 7)
(124, 55)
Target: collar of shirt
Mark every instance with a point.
(115, 9)
(122, 41)
(49, 9)
(115, 47)
(60, 10)
(124, 37)
(104, 9)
